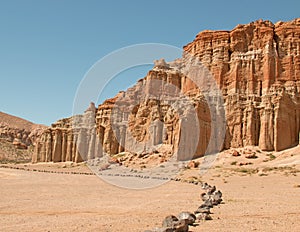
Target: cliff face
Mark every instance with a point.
(61, 141)
(257, 68)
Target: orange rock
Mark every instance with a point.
(113, 160)
(236, 153)
(257, 67)
(193, 164)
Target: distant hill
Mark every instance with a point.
(17, 138)
(16, 122)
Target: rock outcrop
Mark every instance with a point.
(257, 69)
(16, 136)
(257, 66)
(70, 139)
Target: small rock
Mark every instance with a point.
(203, 210)
(251, 156)
(236, 153)
(211, 190)
(181, 226)
(203, 216)
(205, 186)
(193, 164)
(190, 217)
(104, 167)
(162, 230)
(207, 204)
(204, 196)
(172, 224)
(219, 193)
(169, 221)
(113, 160)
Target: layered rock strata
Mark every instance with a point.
(256, 67)
(70, 139)
(19, 132)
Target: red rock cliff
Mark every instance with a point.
(257, 68)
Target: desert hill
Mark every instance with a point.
(17, 138)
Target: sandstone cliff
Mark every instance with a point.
(257, 68)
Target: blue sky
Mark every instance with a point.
(47, 46)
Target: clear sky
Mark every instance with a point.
(47, 46)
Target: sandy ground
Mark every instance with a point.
(32, 201)
(253, 201)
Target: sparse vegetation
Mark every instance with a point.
(268, 169)
(233, 163)
(249, 171)
(286, 169)
(217, 175)
(271, 156)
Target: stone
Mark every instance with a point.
(203, 216)
(218, 193)
(204, 186)
(113, 160)
(161, 230)
(251, 156)
(181, 226)
(207, 204)
(236, 153)
(190, 217)
(202, 209)
(211, 190)
(18, 144)
(169, 221)
(204, 196)
(193, 164)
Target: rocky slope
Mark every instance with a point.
(17, 138)
(257, 68)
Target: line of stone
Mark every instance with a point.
(181, 223)
(101, 174)
(47, 171)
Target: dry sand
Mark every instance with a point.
(32, 201)
(36, 201)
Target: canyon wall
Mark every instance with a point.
(257, 69)
(257, 66)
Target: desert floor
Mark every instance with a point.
(38, 201)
